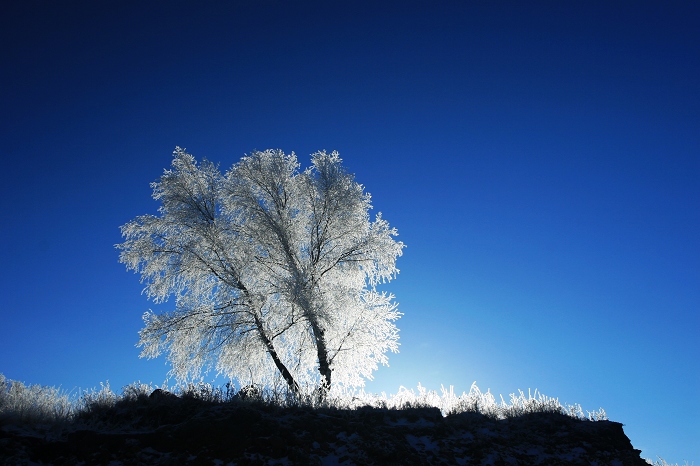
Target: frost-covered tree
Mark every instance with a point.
(274, 272)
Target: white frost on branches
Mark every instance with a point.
(274, 272)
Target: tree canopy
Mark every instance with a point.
(274, 272)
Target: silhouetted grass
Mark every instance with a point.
(39, 404)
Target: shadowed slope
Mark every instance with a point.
(167, 429)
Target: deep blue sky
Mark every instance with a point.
(541, 160)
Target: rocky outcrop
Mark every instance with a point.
(164, 431)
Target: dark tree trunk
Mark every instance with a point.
(288, 377)
(323, 364)
(293, 385)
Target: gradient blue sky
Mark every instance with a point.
(541, 160)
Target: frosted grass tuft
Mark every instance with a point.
(662, 462)
(39, 404)
(33, 403)
(476, 401)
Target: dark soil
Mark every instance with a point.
(167, 430)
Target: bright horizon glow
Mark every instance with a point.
(540, 163)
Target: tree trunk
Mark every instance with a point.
(288, 377)
(293, 385)
(323, 364)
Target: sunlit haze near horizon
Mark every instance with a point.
(540, 160)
